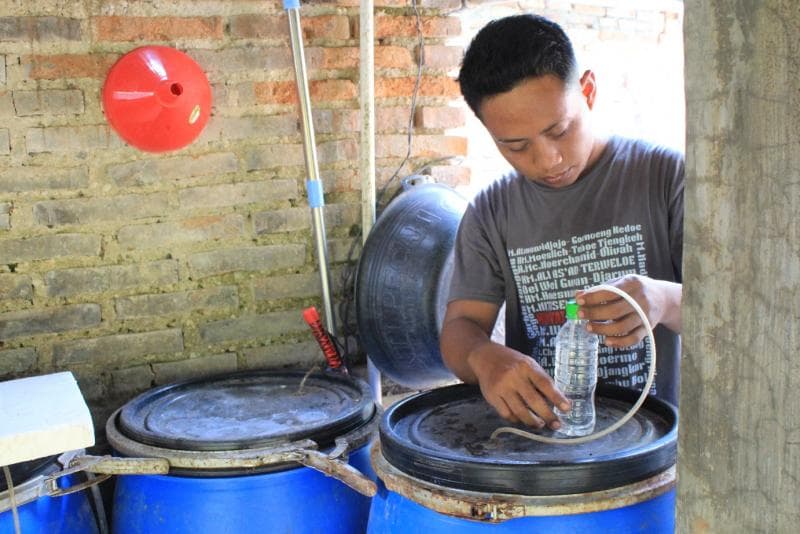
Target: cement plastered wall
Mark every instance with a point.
(739, 445)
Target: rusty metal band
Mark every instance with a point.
(51, 482)
(497, 507)
(46, 484)
(247, 458)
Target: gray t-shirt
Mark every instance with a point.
(531, 247)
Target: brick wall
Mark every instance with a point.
(134, 269)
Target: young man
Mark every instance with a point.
(579, 210)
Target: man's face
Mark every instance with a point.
(543, 128)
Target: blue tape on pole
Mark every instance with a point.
(291, 4)
(316, 199)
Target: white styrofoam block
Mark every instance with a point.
(42, 416)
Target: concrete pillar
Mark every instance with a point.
(739, 437)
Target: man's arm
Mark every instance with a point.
(611, 316)
(514, 384)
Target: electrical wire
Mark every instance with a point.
(414, 93)
(12, 498)
(100, 509)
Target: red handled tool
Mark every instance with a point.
(324, 339)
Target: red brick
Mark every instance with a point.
(321, 90)
(329, 90)
(393, 57)
(253, 26)
(436, 146)
(276, 92)
(387, 26)
(392, 119)
(345, 57)
(341, 180)
(326, 27)
(442, 57)
(68, 66)
(427, 146)
(439, 117)
(157, 28)
(336, 120)
(404, 87)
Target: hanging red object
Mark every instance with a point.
(157, 98)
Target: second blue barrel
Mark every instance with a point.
(264, 451)
(442, 473)
(38, 512)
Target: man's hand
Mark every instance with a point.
(611, 316)
(514, 384)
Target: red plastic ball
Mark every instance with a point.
(157, 98)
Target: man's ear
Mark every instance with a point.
(588, 88)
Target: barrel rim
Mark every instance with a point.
(223, 463)
(544, 477)
(129, 421)
(498, 507)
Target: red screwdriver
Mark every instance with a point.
(324, 339)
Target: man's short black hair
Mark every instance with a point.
(510, 50)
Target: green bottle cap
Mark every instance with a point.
(572, 309)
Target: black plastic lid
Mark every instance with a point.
(248, 410)
(442, 436)
(24, 471)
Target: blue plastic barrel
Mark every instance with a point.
(212, 430)
(66, 514)
(299, 500)
(442, 473)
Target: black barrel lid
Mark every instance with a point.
(24, 471)
(248, 410)
(442, 436)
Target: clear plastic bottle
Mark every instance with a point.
(576, 373)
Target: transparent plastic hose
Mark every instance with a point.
(624, 419)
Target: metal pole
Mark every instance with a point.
(313, 184)
(367, 160)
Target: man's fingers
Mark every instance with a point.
(632, 338)
(541, 407)
(547, 387)
(504, 411)
(621, 327)
(608, 310)
(593, 298)
(522, 412)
